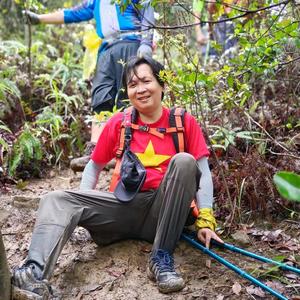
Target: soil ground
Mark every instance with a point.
(118, 271)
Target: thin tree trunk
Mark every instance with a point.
(5, 285)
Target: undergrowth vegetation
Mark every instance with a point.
(247, 102)
(248, 105)
(42, 106)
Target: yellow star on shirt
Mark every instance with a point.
(149, 158)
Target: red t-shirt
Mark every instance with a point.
(154, 152)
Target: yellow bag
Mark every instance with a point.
(91, 42)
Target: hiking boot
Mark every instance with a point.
(25, 278)
(161, 269)
(89, 148)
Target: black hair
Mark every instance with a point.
(134, 62)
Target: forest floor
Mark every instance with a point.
(118, 271)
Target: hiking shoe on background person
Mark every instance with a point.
(25, 278)
(161, 269)
(89, 148)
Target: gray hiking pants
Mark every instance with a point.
(156, 216)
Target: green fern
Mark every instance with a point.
(52, 125)
(4, 127)
(8, 87)
(27, 149)
(9, 48)
(3, 144)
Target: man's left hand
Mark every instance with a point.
(205, 235)
(144, 50)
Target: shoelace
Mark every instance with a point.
(164, 261)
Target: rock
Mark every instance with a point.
(52, 174)
(241, 237)
(26, 202)
(78, 164)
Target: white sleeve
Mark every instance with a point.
(90, 175)
(205, 193)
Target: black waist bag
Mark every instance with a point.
(132, 177)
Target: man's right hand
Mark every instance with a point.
(31, 17)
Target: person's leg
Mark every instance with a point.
(106, 218)
(113, 220)
(171, 208)
(107, 84)
(57, 217)
(225, 36)
(166, 219)
(177, 191)
(231, 41)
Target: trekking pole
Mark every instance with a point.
(256, 256)
(231, 266)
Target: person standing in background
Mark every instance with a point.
(202, 31)
(125, 32)
(222, 33)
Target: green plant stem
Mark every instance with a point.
(214, 153)
(29, 31)
(267, 133)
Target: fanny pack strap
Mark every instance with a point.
(126, 35)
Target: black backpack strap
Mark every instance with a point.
(176, 119)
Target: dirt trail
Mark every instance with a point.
(86, 271)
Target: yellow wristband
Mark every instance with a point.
(206, 219)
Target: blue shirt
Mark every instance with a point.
(111, 22)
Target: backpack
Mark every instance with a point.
(176, 123)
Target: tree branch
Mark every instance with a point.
(246, 13)
(289, 62)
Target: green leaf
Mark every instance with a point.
(288, 185)
(253, 108)
(3, 144)
(279, 258)
(4, 127)
(230, 81)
